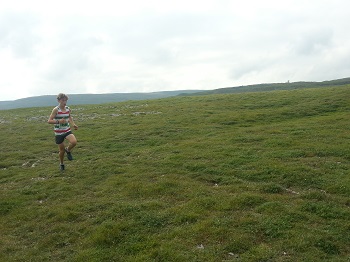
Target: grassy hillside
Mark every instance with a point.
(238, 177)
(274, 87)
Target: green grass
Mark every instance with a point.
(235, 177)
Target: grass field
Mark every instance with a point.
(236, 177)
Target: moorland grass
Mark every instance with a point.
(238, 177)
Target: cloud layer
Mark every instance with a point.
(144, 46)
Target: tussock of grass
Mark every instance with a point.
(239, 177)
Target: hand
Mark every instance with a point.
(62, 121)
(75, 127)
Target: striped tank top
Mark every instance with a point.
(61, 129)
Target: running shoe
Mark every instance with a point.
(69, 154)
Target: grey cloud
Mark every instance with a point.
(65, 67)
(72, 55)
(243, 67)
(153, 40)
(18, 33)
(145, 37)
(158, 48)
(314, 41)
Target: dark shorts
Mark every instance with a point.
(60, 138)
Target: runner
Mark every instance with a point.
(62, 119)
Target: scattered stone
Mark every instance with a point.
(38, 178)
(139, 113)
(233, 255)
(146, 113)
(38, 118)
(200, 246)
(292, 191)
(3, 121)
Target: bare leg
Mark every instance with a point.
(72, 142)
(61, 152)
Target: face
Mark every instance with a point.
(63, 101)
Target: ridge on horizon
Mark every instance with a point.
(76, 99)
(277, 86)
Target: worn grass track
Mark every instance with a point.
(240, 177)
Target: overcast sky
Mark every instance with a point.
(77, 46)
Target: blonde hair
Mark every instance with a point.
(61, 96)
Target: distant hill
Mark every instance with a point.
(274, 86)
(82, 99)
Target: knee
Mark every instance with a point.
(73, 143)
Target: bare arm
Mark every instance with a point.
(70, 119)
(52, 117)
